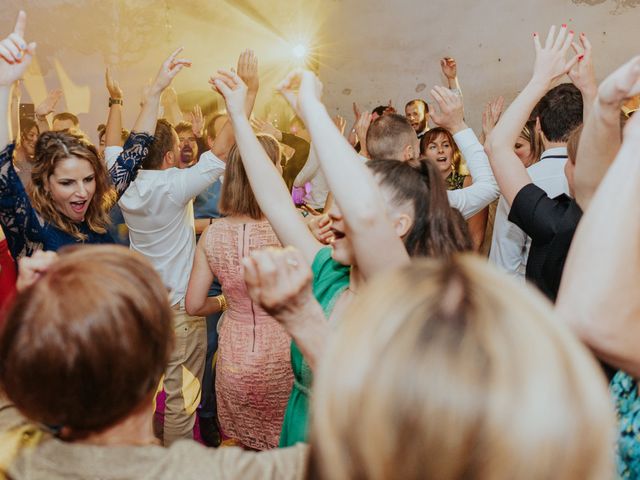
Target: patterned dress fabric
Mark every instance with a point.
(624, 390)
(26, 231)
(253, 370)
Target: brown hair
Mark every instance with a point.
(89, 341)
(435, 230)
(236, 196)
(447, 369)
(388, 135)
(572, 143)
(432, 135)
(163, 142)
(67, 116)
(53, 147)
(183, 126)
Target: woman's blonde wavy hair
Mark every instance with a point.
(53, 147)
(446, 369)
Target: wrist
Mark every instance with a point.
(115, 101)
(458, 127)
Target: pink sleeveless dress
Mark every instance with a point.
(253, 368)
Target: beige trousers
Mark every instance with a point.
(183, 377)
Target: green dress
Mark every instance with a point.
(330, 279)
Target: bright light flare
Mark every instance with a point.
(300, 51)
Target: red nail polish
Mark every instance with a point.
(535, 34)
(580, 57)
(564, 25)
(571, 32)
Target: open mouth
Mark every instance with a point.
(441, 159)
(78, 207)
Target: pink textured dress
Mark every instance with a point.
(253, 369)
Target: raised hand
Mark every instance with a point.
(32, 268)
(356, 110)
(581, 73)
(15, 53)
(622, 84)
(279, 280)
(449, 67)
(451, 110)
(48, 105)
(248, 70)
(113, 87)
(551, 61)
(262, 126)
(168, 71)
(362, 127)
(301, 87)
(233, 89)
(320, 226)
(197, 121)
(491, 115)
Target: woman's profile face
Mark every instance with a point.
(440, 152)
(522, 149)
(71, 186)
(29, 141)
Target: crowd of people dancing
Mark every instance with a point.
(212, 294)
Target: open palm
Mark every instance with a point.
(15, 53)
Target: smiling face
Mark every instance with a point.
(71, 186)
(522, 149)
(28, 140)
(440, 151)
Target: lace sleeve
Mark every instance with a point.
(126, 167)
(20, 222)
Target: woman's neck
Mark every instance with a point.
(356, 280)
(135, 429)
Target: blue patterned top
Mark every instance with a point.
(26, 231)
(624, 390)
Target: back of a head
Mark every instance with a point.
(67, 117)
(435, 230)
(163, 142)
(448, 369)
(389, 135)
(236, 195)
(89, 341)
(560, 111)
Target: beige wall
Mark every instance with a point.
(369, 51)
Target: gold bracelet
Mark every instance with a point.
(223, 302)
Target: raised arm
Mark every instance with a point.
(266, 181)
(136, 148)
(248, 73)
(450, 71)
(582, 74)
(18, 219)
(45, 108)
(113, 131)
(550, 64)
(601, 135)
(598, 296)
(484, 190)
(376, 244)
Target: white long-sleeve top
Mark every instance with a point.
(484, 189)
(158, 210)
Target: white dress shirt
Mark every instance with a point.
(484, 189)
(158, 209)
(509, 244)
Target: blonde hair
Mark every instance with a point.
(236, 195)
(446, 369)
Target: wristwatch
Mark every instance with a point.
(115, 101)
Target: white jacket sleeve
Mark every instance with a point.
(309, 170)
(484, 189)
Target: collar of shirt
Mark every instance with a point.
(556, 152)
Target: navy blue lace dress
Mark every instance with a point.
(26, 231)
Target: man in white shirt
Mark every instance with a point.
(558, 113)
(158, 210)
